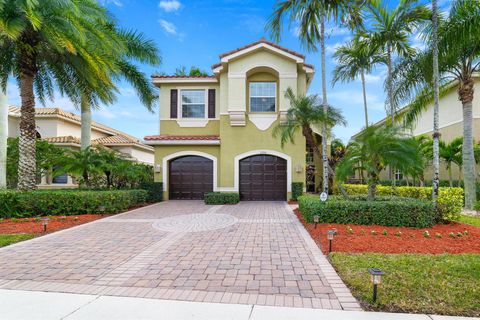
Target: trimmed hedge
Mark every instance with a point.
(222, 198)
(154, 189)
(394, 212)
(297, 190)
(67, 202)
(450, 200)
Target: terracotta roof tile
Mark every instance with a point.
(262, 40)
(63, 139)
(181, 77)
(167, 137)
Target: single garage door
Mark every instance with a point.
(190, 177)
(263, 177)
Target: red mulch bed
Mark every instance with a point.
(35, 226)
(411, 240)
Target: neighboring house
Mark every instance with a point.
(451, 126)
(216, 131)
(63, 129)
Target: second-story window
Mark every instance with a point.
(263, 96)
(193, 103)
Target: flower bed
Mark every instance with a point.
(441, 238)
(35, 226)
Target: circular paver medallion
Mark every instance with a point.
(195, 222)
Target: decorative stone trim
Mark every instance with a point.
(237, 118)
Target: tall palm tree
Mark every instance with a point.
(355, 59)
(136, 49)
(451, 153)
(459, 60)
(374, 149)
(37, 43)
(390, 33)
(436, 94)
(311, 17)
(3, 139)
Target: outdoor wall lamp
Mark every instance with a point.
(158, 168)
(45, 223)
(298, 168)
(376, 278)
(316, 220)
(330, 234)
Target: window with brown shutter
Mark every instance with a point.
(173, 103)
(211, 103)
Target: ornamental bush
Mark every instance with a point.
(394, 212)
(154, 189)
(67, 202)
(450, 200)
(222, 198)
(297, 190)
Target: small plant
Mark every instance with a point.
(465, 233)
(349, 230)
(75, 218)
(459, 234)
(398, 234)
(373, 233)
(451, 235)
(63, 218)
(362, 232)
(476, 206)
(426, 234)
(385, 232)
(438, 235)
(14, 220)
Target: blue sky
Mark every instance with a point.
(196, 32)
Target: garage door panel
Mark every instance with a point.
(263, 177)
(190, 177)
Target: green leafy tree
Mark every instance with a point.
(374, 149)
(451, 153)
(459, 57)
(40, 42)
(311, 17)
(82, 164)
(193, 72)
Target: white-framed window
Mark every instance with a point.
(193, 103)
(398, 175)
(263, 96)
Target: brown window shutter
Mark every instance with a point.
(211, 103)
(173, 103)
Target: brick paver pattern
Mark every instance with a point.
(252, 253)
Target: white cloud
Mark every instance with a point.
(168, 27)
(337, 31)
(331, 48)
(117, 3)
(353, 99)
(169, 5)
(105, 113)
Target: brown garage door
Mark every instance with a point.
(263, 177)
(190, 177)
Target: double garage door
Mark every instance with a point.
(262, 177)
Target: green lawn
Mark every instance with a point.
(441, 284)
(474, 221)
(6, 239)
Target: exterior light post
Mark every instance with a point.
(45, 223)
(376, 278)
(330, 234)
(316, 220)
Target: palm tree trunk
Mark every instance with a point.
(325, 105)
(436, 127)
(390, 100)
(469, 175)
(362, 75)
(3, 139)
(27, 151)
(86, 124)
(450, 177)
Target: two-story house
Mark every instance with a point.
(216, 131)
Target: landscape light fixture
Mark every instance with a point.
(45, 223)
(330, 234)
(376, 278)
(101, 209)
(316, 220)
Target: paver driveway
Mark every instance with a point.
(253, 252)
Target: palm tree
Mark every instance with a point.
(374, 149)
(311, 16)
(3, 139)
(390, 33)
(38, 44)
(82, 164)
(136, 49)
(459, 57)
(436, 94)
(451, 153)
(425, 151)
(355, 59)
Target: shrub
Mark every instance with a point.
(450, 200)
(154, 189)
(222, 198)
(395, 212)
(297, 190)
(67, 202)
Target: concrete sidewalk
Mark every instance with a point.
(32, 305)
